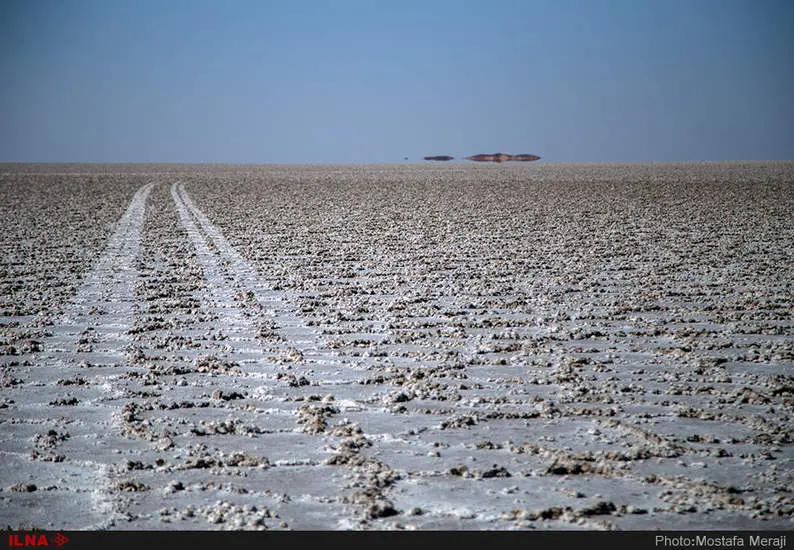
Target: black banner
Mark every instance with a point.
(611, 540)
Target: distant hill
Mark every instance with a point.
(439, 157)
(524, 158)
(502, 157)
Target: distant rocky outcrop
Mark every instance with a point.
(524, 158)
(502, 157)
(496, 157)
(439, 157)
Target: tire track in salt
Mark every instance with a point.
(222, 296)
(268, 382)
(68, 404)
(370, 477)
(303, 338)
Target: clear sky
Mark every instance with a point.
(299, 81)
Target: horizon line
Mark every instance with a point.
(420, 161)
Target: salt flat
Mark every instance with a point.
(382, 347)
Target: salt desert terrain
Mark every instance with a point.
(377, 347)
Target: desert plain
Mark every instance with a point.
(378, 347)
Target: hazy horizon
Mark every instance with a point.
(352, 82)
(409, 161)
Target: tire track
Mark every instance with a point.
(73, 379)
(304, 339)
(305, 347)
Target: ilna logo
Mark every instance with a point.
(18, 540)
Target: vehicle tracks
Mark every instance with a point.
(67, 398)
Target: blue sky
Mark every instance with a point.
(299, 81)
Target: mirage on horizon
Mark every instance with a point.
(496, 157)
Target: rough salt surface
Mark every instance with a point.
(397, 347)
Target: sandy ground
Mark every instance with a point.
(397, 347)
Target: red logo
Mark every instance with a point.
(16, 540)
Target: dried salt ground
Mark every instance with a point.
(478, 347)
